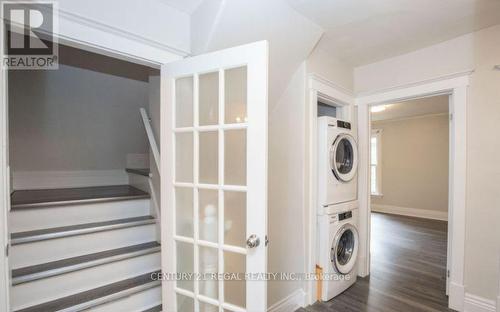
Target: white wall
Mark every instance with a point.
(481, 51)
(74, 119)
(325, 65)
(414, 164)
(151, 19)
(286, 191)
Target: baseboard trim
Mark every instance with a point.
(411, 212)
(25, 180)
(290, 303)
(473, 303)
(498, 302)
(456, 296)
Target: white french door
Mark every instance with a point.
(214, 180)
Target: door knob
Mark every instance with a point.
(253, 241)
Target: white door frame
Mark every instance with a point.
(84, 34)
(318, 88)
(456, 86)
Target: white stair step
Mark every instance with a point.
(77, 229)
(21, 199)
(51, 288)
(53, 268)
(139, 302)
(27, 219)
(97, 296)
(42, 251)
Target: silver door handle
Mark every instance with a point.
(253, 241)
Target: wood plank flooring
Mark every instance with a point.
(408, 269)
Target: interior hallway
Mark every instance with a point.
(407, 270)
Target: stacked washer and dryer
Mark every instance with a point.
(337, 213)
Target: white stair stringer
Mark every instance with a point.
(27, 219)
(47, 289)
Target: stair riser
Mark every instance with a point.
(39, 291)
(61, 248)
(56, 216)
(136, 303)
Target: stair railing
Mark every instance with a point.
(156, 155)
(152, 142)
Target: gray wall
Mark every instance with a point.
(414, 163)
(74, 119)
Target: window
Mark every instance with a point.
(376, 162)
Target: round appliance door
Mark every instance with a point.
(345, 249)
(344, 157)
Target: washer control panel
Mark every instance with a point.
(345, 215)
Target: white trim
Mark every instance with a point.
(473, 303)
(410, 118)
(5, 188)
(318, 88)
(407, 92)
(377, 133)
(411, 212)
(292, 302)
(455, 86)
(419, 83)
(24, 180)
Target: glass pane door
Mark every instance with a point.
(213, 192)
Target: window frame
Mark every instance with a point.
(377, 133)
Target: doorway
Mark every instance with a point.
(456, 87)
(409, 174)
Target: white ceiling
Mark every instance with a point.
(413, 108)
(364, 31)
(187, 6)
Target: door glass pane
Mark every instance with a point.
(208, 214)
(206, 307)
(209, 99)
(235, 145)
(185, 258)
(209, 151)
(235, 91)
(184, 102)
(184, 211)
(235, 214)
(345, 248)
(235, 290)
(344, 156)
(208, 268)
(184, 157)
(185, 304)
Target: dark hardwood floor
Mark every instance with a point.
(408, 268)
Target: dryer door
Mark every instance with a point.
(345, 249)
(344, 157)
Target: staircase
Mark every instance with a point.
(91, 248)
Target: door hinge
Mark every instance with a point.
(448, 273)
(267, 240)
(451, 117)
(7, 250)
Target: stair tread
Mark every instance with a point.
(92, 294)
(53, 265)
(44, 197)
(140, 171)
(75, 227)
(154, 309)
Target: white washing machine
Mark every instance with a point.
(337, 162)
(337, 254)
